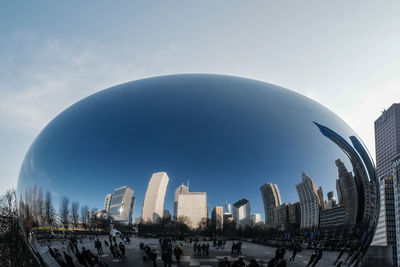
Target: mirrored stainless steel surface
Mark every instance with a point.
(198, 156)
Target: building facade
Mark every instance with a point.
(241, 213)
(271, 199)
(183, 189)
(153, 204)
(396, 191)
(228, 208)
(333, 217)
(217, 217)
(122, 205)
(255, 218)
(347, 189)
(107, 202)
(192, 205)
(387, 139)
(309, 202)
(385, 234)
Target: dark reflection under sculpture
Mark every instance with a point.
(189, 156)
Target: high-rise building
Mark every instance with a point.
(387, 139)
(294, 215)
(309, 202)
(153, 204)
(228, 208)
(217, 217)
(396, 191)
(386, 230)
(347, 190)
(192, 205)
(122, 205)
(107, 202)
(255, 218)
(241, 213)
(321, 197)
(330, 195)
(272, 199)
(183, 189)
(166, 214)
(332, 217)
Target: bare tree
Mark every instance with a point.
(13, 249)
(40, 207)
(84, 216)
(64, 212)
(49, 214)
(74, 213)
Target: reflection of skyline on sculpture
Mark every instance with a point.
(267, 151)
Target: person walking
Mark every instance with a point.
(178, 252)
(295, 248)
(318, 257)
(166, 258)
(97, 245)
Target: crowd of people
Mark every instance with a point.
(171, 252)
(84, 256)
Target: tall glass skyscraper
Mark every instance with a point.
(122, 205)
(387, 139)
(272, 199)
(241, 213)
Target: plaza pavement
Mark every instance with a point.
(249, 251)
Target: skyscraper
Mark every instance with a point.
(241, 213)
(228, 208)
(217, 217)
(183, 189)
(255, 218)
(107, 202)
(387, 139)
(347, 192)
(122, 205)
(321, 197)
(386, 230)
(272, 199)
(330, 195)
(192, 205)
(153, 204)
(396, 191)
(309, 202)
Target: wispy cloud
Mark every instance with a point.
(48, 76)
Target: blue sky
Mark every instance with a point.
(341, 54)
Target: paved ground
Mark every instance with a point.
(249, 250)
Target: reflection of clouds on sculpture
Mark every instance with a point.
(271, 153)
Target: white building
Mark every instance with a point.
(309, 202)
(255, 218)
(241, 213)
(183, 189)
(192, 205)
(122, 205)
(153, 204)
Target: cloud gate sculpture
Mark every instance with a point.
(209, 159)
